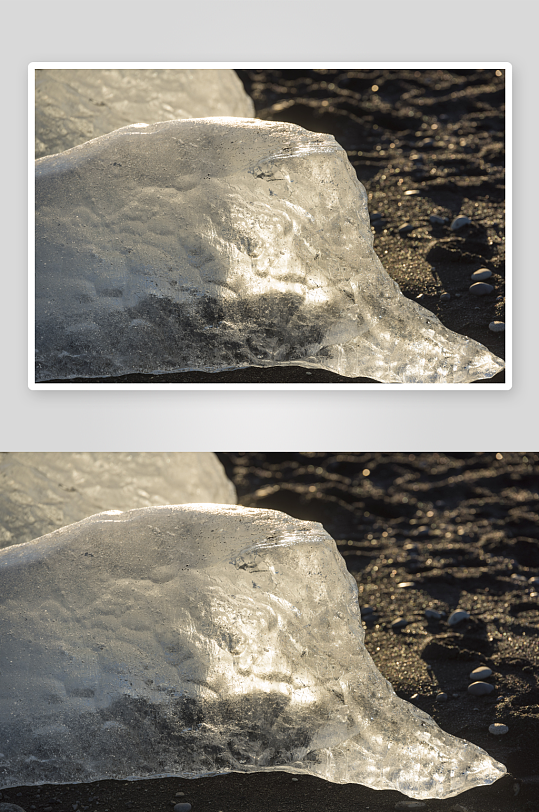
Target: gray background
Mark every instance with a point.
(251, 32)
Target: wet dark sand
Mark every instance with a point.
(463, 529)
(436, 133)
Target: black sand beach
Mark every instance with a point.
(423, 142)
(461, 531)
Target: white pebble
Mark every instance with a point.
(433, 614)
(481, 275)
(480, 688)
(457, 616)
(481, 673)
(497, 326)
(481, 288)
(497, 729)
(460, 221)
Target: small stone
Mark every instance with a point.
(295, 779)
(460, 221)
(432, 613)
(458, 808)
(497, 729)
(445, 297)
(367, 610)
(436, 220)
(481, 673)
(497, 326)
(457, 616)
(406, 228)
(481, 275)
(534, 581)
(441, 697)
(182, 807)
(375, 215)
(178, 794)
(5, 807)
(405, 585)
(404, 805)
(409, 192)
(399, 623)
(480, 688)
(481, 288)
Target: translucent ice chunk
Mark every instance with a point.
(200, 639)
(212, 244)
(44, 491)
(73, 106)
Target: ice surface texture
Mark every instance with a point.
(212, 244)
(200, 639)
(73, 106)
(41, 492)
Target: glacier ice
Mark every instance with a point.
(221, 243)
(195, 640)
(44, 491)
(73, 106)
